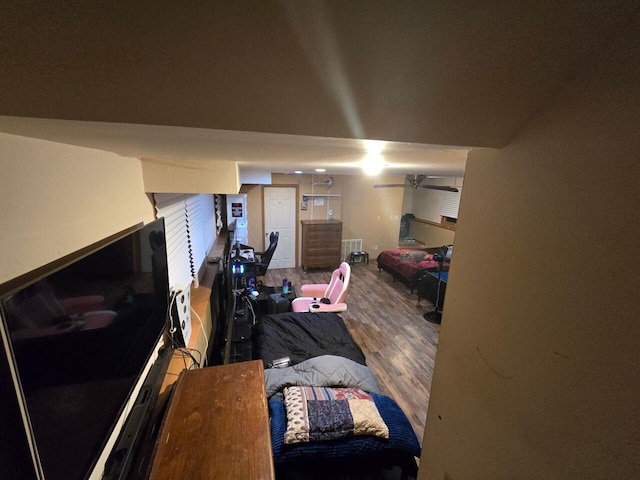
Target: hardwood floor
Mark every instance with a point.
(387, 322)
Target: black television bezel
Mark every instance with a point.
(147, 388)
(11, 286)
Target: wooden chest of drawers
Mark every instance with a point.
(321, 240)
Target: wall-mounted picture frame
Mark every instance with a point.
(303, 205)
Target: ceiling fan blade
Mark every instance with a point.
(385, 185)
(438, 187)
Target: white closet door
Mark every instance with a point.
(280, 216)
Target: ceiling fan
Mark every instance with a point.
(415, 182)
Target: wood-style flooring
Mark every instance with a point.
(387, 322)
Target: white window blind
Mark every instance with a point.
(450, 204)
(190, 232)
(218, 201)
(201, 228)
(172, 207)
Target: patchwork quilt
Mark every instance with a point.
(320, 413)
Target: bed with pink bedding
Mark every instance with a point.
(409, 265)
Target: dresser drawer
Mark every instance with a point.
(321, 241)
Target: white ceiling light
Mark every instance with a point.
(374, 146)
(297, 171)
(320, 170)
(373, 162)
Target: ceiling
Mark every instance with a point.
(274, 153)
(281, 85)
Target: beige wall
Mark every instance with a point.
(426, 204)
(537, 368)
(255, 220)
(314, 185)
(369, 213)
(56, 199)
(431, 235)
(190, 176)
(372, 214)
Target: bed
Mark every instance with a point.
(328, 370)
(410, 265)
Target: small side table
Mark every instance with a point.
(358, 257)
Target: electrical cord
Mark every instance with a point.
(206, 340)
(247, 300)
(183, 350)
(169, 319)
(186, 353)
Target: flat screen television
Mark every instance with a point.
(77, 337)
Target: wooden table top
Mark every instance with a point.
(217, 426)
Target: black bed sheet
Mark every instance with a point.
(303, 335)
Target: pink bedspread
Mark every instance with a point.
(397, 261)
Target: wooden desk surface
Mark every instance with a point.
(217, 426)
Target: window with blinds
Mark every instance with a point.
(450, 204)
(190, 230)
(219, 206)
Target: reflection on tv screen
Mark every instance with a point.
(81, 337)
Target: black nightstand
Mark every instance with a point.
(358, 257)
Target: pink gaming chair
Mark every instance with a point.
(335, 292)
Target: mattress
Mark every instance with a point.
(303, 335)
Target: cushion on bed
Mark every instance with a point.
(402, 439)
(322, 371)
(320, 413)
(415, 256)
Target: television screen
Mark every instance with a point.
(79, 338)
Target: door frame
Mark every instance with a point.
(297, 219)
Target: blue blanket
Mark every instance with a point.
(402, 438)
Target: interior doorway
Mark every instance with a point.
(280, 216)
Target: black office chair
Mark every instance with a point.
(264, 258)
